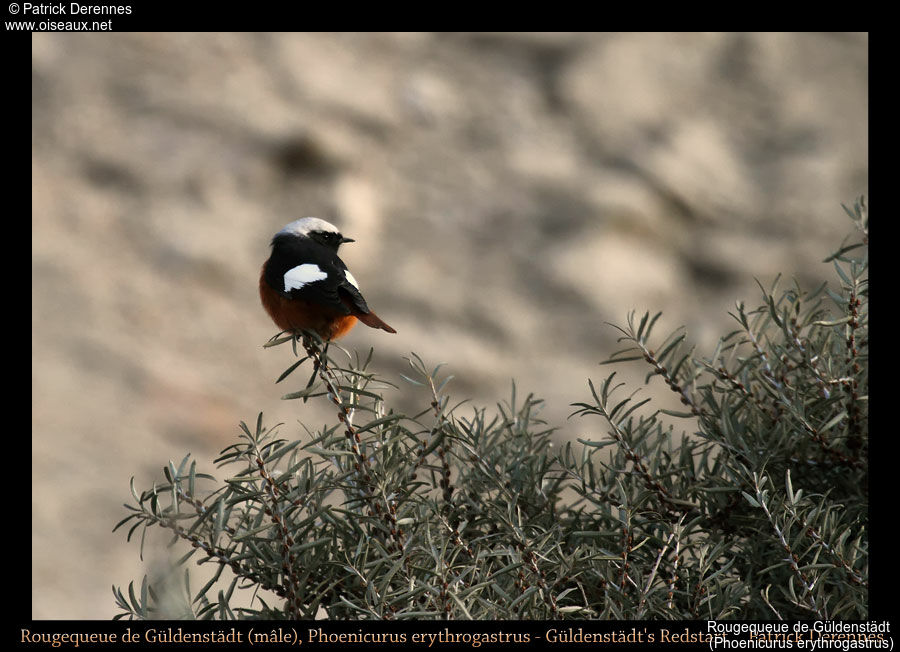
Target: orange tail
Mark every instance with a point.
(373, 321)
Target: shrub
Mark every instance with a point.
(750, 503)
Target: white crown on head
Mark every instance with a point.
(307, 225)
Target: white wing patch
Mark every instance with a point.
(301, 275)
(351, 279)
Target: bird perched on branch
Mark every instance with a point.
(305, 286)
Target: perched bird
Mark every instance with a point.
(304, 285)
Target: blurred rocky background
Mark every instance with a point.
(509, 194)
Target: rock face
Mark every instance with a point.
(509, 194)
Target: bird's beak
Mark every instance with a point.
(343, 240)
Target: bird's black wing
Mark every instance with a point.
(326, 281)
(349, 289)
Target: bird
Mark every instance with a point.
(305, 286)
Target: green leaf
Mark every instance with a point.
(750, 499)
(309, 392)
(287, 372)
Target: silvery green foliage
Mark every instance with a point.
(750, 502)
